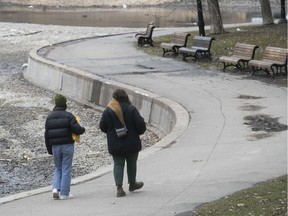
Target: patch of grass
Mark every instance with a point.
(262, 36)
(266, 199)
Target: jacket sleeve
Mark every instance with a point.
(103, 121)
(48, 146)
(139, 122)
(76, 128)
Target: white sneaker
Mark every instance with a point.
(65, 197)
(55, 193)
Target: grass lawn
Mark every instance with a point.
(262, 36)
(264, 199)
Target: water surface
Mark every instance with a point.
(130, 17)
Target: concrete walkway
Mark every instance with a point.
(217, 155)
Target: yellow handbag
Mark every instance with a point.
(75, 137)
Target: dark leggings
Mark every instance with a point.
(119, 164)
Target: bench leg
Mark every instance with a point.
(272, 73)
(175, 52)
(139, 41)
(224, 66)
(165, 51)
(253, 71)
(184, 56)
(275, 69)
(285, 69)
(241, 64)
(150, 42)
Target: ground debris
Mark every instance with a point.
(264, 123)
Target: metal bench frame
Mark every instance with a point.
(144, 38)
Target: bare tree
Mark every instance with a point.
(216, 26)
(283, 12)
(201, 23)
(266, 12)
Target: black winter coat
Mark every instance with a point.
(59, 127)
(135, 124)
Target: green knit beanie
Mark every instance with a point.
(60, 100)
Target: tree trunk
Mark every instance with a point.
(201, 24)
(216, 26)
(283, 13)
(266, 12)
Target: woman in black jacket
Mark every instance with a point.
(123, 124)
(59, 127)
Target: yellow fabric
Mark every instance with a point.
(115, 106)
(75, 137)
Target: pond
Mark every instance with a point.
(129, 17)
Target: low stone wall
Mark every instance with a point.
(90, 89)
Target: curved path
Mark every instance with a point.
(217, 155)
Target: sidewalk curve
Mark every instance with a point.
(215, 156)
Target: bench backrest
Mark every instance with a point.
(203, 42)
(275, 54)
(149, 31)
(180, 38)
(247, 50)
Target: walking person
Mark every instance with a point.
(123, 124)
(59, 127)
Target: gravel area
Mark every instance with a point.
(24, 163)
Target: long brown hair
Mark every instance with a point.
(121, 96)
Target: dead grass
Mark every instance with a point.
(266, 199)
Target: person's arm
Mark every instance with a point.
(139, 122)
(76, 128)
(103, 123)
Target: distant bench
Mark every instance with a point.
(242, 54)
(200, 47)
(273, 61)
(145, 37)
(179, 39)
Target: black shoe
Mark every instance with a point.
(135, 186)
(120, 192)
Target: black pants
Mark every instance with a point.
(119, 164)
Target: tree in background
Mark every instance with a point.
(283, 12)
(200, 22)
(266, 12)
(216, 24)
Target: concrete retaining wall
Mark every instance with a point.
(84, 87)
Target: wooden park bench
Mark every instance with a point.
(274, 61)
(179, 39)
(242, 54)
(145, 37)
(200, 48)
